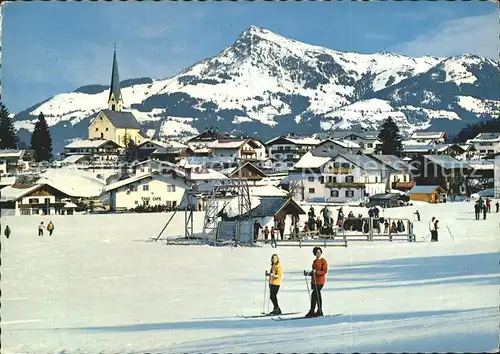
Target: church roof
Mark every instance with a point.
(122, 120)
(114, 88)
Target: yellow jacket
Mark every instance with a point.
(276, 270)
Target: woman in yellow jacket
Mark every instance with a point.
(275, 276)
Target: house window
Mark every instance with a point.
(107, 129)
(321, 179)
(136, 202)
(376, 179)
(311, 190)
(289, 157)
(349, 179)
(334, 193)
(35, 212)
(112, 107)
(102, 135)
(369, 145)
(33, 200)
(170, 188)
(287, 148)
(310, 179)
(349, 194)
(145, 187)
(96, 129)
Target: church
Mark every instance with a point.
(112, 123)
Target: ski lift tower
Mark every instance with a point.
(232, 187)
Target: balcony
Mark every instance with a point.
(340, 171)
(345, 185)
(403, 185)
(248, 152)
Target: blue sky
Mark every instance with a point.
(53, 47)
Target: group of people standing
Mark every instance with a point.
(484, 207)
(433, 228)
(41, 227)
(318, 280)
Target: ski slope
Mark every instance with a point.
(96, 285)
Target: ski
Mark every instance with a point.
(268, 315)
(303, 318)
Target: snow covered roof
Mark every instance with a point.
(393, 162)
(486, 137)
(296, 140)
(16, 191)
(122, 120)
(267, 191)
(11, 153)
(448, 162)
(85, 144)
(7, 181)
(424, 189)
(428, 135)
(311, 161)
(226, 144)
(206, 174)
(127, 181)
(72, 159)
(364, 162)
(73, 182)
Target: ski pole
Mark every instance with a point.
(265, 287)
(307, 285)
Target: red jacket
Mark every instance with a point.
(321, 267)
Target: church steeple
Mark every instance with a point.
(115, 101)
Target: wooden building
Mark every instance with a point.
(429, 194)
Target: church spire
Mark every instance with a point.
(115, 101)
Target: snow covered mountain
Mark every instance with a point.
(265, 84)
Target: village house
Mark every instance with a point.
(486, 143)
(427, 193)
(337, 177)
(34, 199)
(429, 137)
(367, 140)
(395, 172)
(238, 149)
(249, 172)
(171, 151)
(14, 161)
(91, 151)
(112, 123)
(340, 146)
(161, 183)
(208, 136)
(444, 171)
(287, 150)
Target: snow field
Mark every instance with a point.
(97, 285)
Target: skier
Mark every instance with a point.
(273, 238)
(7, 231)
(50, 228)
(497, 205)
(318, 279)
(266, 233)
(477, 210)
(435, 235)
(418, 215)
(275, 276)
(484, 212)
(40, 229)
(431, 227)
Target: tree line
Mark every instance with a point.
(41, 141)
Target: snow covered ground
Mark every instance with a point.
(97, 285)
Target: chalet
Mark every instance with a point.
(112, 123)
(171, 151)
(416, 151)
(288, 149)
(33, 199)
(238, 149)
(339, 146)
(208, 136)
(429, 137)
(247, 171)
(92, 151)
(444, 171)
(13, 161)
(337, 177)
(427, 193)
(486, 143)
(395, 172)
(367, 140)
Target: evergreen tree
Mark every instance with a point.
(8, 138)
(41, 142)
(391, 139)
(131, 151)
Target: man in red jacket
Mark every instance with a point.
(318, 279)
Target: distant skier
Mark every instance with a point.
(477, 210)
(497, 205)
(281, 228)
(275, 275)
(273, 237)
(418, 215)
(50, 228)
(431, 226)
(485, 208)
(436, 228)
(318, 279)
(266, 233)
(40, 229)
(7, 231)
